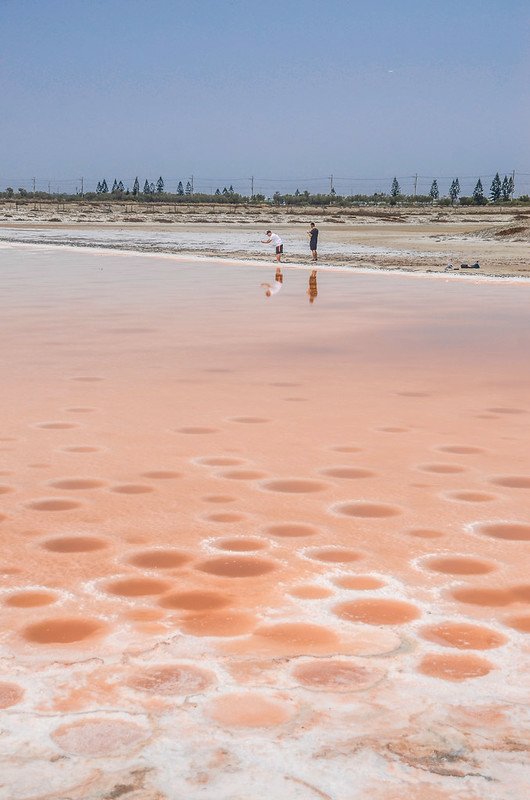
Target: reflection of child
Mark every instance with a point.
(278, 283)
(312, 289)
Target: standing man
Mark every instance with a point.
(275, 240)
(313, 239)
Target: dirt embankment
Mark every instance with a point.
(86, 212)
(516, 232)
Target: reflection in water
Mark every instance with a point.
(312, 289)
(274, 288)
(271, 289)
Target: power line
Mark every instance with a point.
(322, 178)
(413, 184)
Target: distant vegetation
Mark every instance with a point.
(500, 192)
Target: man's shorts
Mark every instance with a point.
(279, 249)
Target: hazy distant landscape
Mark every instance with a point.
(422, 237)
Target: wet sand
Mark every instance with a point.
(257, 547)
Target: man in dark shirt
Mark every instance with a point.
(313, 239)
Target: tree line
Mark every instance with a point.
(500, 191)
(152, 188)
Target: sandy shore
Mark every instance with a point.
(402, 239)
(257, 547)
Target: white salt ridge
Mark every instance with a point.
(195, 242)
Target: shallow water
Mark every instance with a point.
(261, 525)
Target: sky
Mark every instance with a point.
(286, 89)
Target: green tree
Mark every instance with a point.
(511, 187)
(454, 190)
(217, 191)
(505, 189)
(147, 188)
(188, 188)
(230, 189)
(121, 187)
(478, 194)
(434, 191)
(160, 185)
(297, 193)
(114, 186)
(98, 188)
(180, 188)
(495, 189)
(395, 191)
(136, 186)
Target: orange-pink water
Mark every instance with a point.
(279, 546)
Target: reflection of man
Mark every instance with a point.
(312, 289)
(313, 240)
(275, 240)
(278, 283)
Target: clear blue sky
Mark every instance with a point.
(283, 88)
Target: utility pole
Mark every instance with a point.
(82, 186)
(415, 184)
(191, 184)
(252, 186)
(49, 187)
(513, 183)
(33, 179)
(331, 184)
